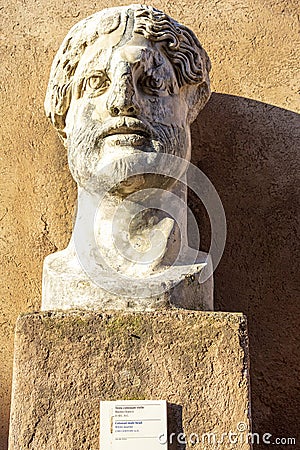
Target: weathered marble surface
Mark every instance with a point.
(66, 362)
(124, 88)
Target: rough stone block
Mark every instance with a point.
(65, 363)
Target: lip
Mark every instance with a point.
(127, 126)
(128, 131)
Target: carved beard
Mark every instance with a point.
(95, 170)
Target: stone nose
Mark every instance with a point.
(122, 100)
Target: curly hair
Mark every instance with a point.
(190, 61)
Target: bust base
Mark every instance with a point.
(65, 363)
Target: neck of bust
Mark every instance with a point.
(130, 239)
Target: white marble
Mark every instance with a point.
(124, 88)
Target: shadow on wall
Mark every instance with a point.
(250, 151)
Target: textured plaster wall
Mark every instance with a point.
(247, 138)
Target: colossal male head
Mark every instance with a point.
(124, 88)
(126, 80)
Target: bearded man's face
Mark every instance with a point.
(125, 102)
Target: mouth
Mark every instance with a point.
(127, 126)
(127, 131)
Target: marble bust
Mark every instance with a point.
(124, 87)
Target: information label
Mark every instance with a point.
(133, 425)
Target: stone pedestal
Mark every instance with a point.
(65, 363)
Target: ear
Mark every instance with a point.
(197, 96)
(57, 102)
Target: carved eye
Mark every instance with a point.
(153, 85)
(98, 83)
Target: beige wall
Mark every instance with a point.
(246, 138)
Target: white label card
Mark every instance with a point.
(133, 424)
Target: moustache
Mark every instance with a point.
(91, 135)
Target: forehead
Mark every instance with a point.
(110, 49)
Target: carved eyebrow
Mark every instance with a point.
(159, 63)
(154, 54)
(94, 73)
